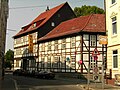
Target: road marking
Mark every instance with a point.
(54, 86)
(15, 82)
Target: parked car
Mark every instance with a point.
(18, 72)
(45, 74)
(32, 73)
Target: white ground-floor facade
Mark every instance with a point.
(63, 55)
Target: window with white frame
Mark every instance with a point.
(55, 63)
(63, 62)
(114, 25)
(56, 44)
(52, 24)
(92, 63)
(49, 62)
(85, 37)
(42, 47)
(73, 42)
(18, 41)
(49, 46)
(63, 43)
(18, 51)
(42, 62)
(92, 40)
(115, 59)
(17, 63)
(113, 1)
(34, 25)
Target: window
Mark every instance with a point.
(49, 62)
(73, 42)
(93, 40)
(58, 15)
(55, 63)
(56, 44)
(63, 43)
(18, 51)
(18, 41)
(34, 25)
(114, 25)
(113, 1)
(42, 62)
(63, 62)
(42, 47)
(52, 24)
(17, 63)
(115, 59)
(93, 63)
(49, 46)
(85, 37)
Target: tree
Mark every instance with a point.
(9, 58)
(86, 10)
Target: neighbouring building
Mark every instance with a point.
(72, 42)
(25, 41)
(112, 27)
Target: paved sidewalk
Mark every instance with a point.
(98, 86)
(7, 84)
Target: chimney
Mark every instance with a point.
(47, 8)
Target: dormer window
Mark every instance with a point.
(58, 15)
(34, 25)
(52, 24)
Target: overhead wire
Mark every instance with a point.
(13, 30)
(38, 6)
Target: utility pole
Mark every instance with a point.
(3, 26)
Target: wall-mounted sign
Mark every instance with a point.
(30, 40)
(68, 59)
(80, 62)
(103, 39)
(95, 52)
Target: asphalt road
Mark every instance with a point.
(28, 83)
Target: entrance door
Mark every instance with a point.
(24, 64)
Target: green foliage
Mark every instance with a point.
(9, 58)
(86, 10)
(8, 65)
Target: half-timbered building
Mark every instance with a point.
(25, 41)
(73, 46)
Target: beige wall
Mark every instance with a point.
(113, 40)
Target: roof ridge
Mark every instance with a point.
(53, 10)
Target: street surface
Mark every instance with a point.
(29, 83)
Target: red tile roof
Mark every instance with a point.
(90, 23)
(42, 18)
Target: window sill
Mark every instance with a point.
(115, 69)
(113, 4)
(114, 35)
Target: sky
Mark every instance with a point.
(22, 12)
